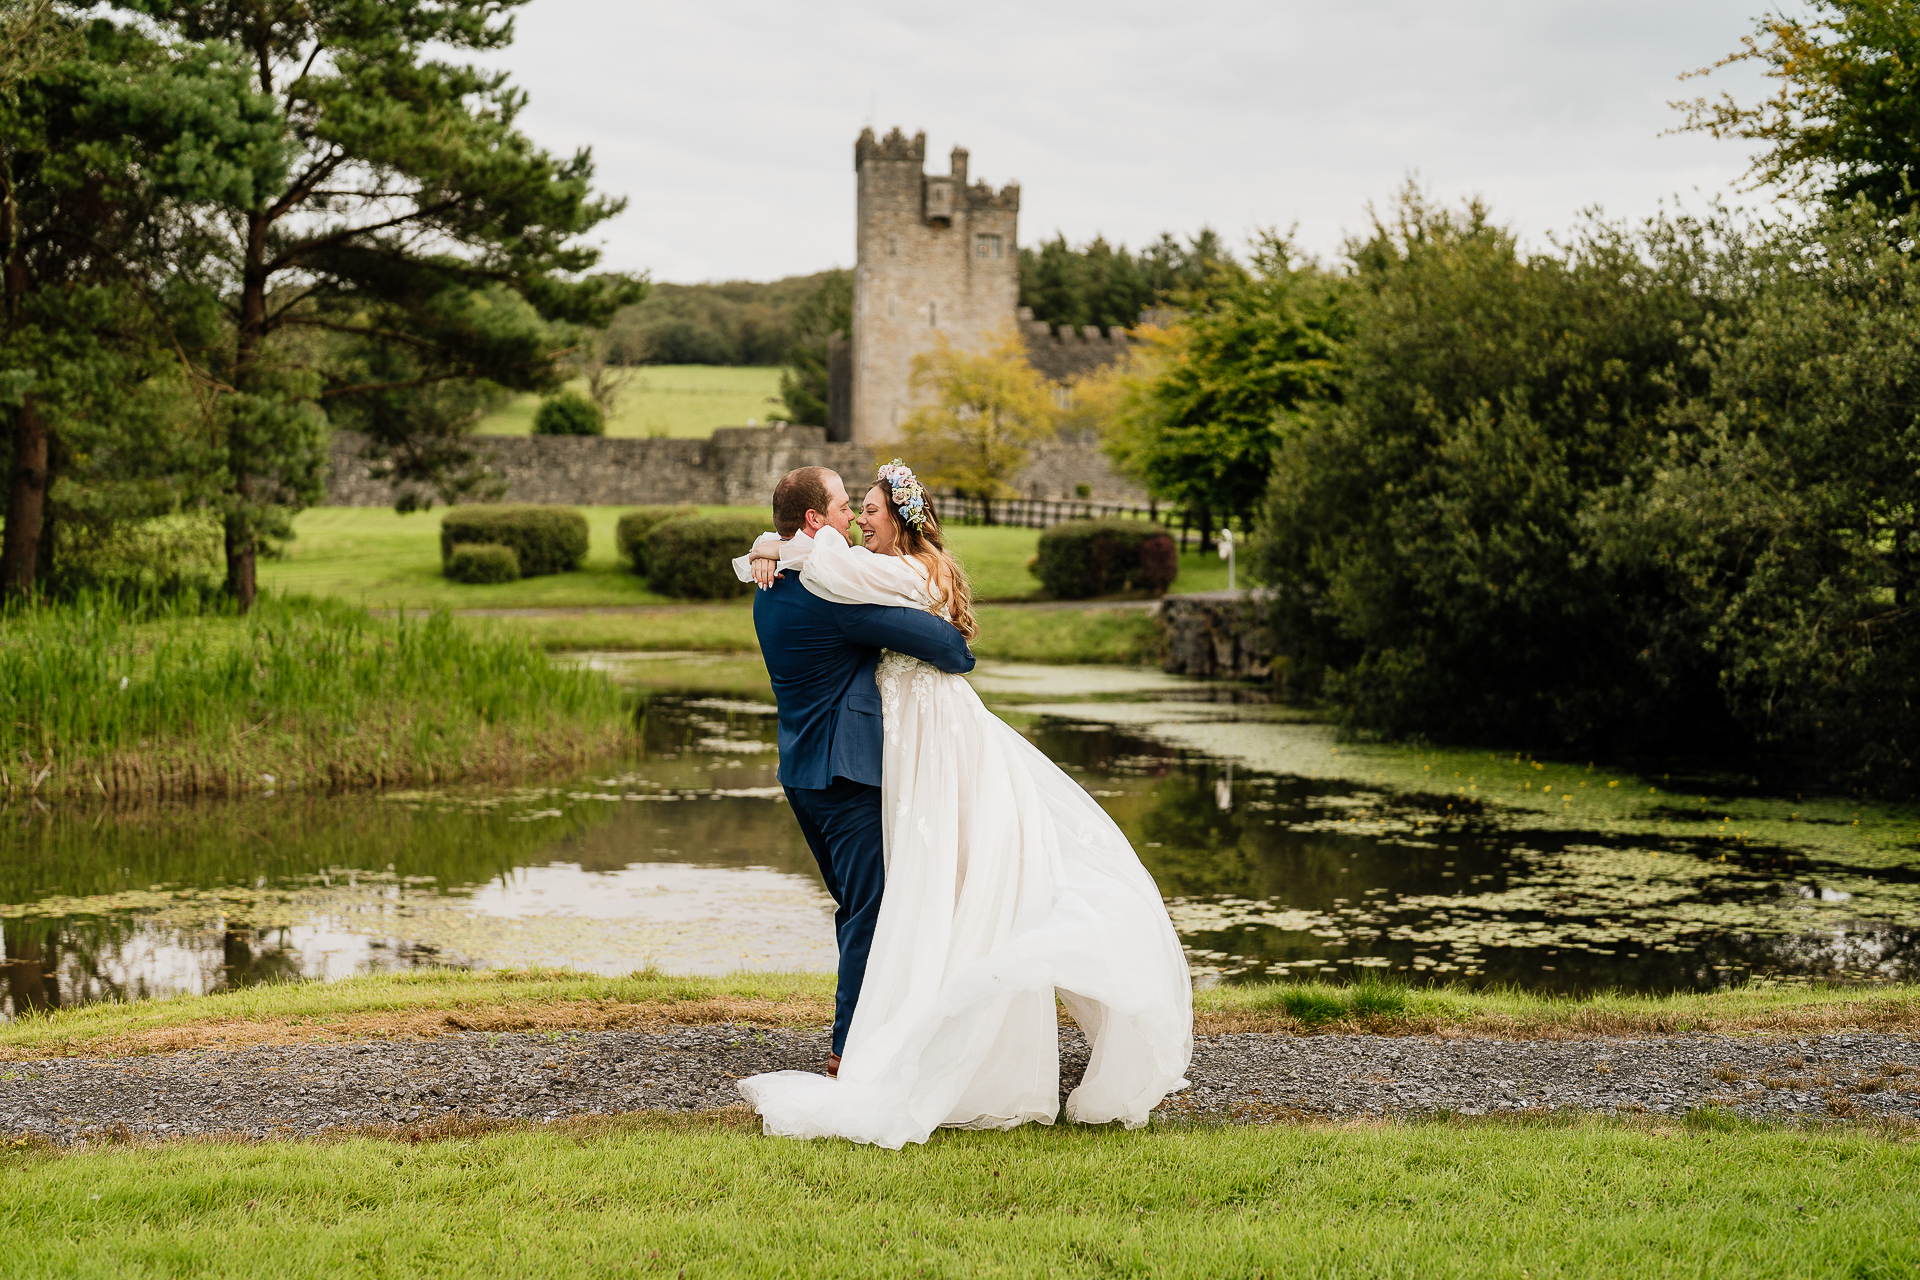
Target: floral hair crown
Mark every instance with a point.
(907, 493)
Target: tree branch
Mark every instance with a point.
(365, 331)
(288, 108)
(304, 186)
(285, 259)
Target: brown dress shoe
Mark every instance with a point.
(833, 1065)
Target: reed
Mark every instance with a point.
(119, 694)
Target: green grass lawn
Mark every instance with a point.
(686, 400)
(414, 1003)
(709, 1196)
(376, 556)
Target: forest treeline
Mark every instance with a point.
(737, 322)
(1646, 488)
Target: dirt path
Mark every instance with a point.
(307, 1089)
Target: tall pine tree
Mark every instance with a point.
(109, 144)
(420, 239)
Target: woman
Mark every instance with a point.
(1006, 885)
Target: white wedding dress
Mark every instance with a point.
(1006, 886)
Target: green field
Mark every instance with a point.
(709, 1196)
(375, 556)
(687, 400)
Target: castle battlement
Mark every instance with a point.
(895, 146)
(1065, 353)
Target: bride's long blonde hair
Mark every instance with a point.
(927, 545)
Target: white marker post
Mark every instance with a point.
(1226, 553)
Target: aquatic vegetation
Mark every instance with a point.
(1326, 857)
(109, 696)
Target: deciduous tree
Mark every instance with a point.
(1781, 516)
(1251, 351)
(1423, 534)
(1844, 121)
(981, 412)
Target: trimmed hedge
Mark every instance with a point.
(633, 535)
(1099, 557)
(569, 414)
(546, 539)
(483, 562)
(691, 557)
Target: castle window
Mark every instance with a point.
(933, 315)
(986, 246)
(893, 246)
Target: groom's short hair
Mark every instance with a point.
(798, 493)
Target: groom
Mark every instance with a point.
(821, 656)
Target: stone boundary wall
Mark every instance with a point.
(1221, 635)
(738, 466)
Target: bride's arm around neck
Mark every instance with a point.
(855, 575)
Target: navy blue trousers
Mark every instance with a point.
(842, 826)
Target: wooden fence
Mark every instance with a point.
(1044, 513)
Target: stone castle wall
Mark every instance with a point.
(934, 257)
(1066, 353)
(738, 466)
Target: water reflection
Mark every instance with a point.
(685, 856)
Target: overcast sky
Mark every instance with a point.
(729, 124)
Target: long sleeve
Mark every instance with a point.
(854, 575)
(914, 632)
(792, 558)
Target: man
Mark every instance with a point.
(821, 657)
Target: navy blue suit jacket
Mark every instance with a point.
(821, 656)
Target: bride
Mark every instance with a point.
(1006, 886)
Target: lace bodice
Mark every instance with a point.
(900, 675)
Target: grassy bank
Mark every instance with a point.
(440, 1002)
(1007, 633)
(116, 697)
(375, 556)
(709, 1196)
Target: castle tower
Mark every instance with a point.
(933, 257)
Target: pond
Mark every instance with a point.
(1283, 853)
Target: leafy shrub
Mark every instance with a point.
(569, 414)
(483, 562)
(633, 535)
(1096, 557)
(546, 539)
(691, 556)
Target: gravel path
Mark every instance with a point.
(309, 1088)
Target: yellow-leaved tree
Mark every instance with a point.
(1104, 403)
(980, 412)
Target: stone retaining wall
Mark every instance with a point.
(1219, 635)
(738, 466)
